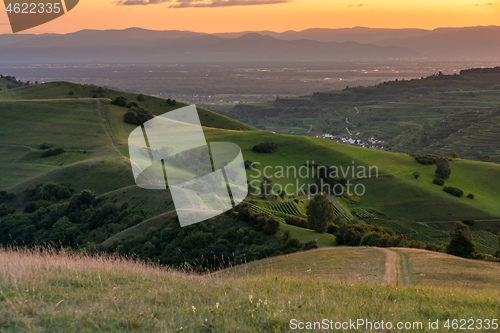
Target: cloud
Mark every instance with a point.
(140, 2)
(224, 3)
(200, 3)
(356, 5)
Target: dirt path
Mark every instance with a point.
(100, 105)
(391, 267)
(398, 269)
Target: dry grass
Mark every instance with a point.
(49, 291)
(439, 269)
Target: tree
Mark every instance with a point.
(63, 231)
(461, 243)
(141, 98)
(443, 169)
(320, 213)
(416, 174)
(454, 154)
(266, 186)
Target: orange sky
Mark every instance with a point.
(293, 15)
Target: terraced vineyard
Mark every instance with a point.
(271, 213)
(287, 208)
(340, 213)
(361, 213)
(414, 231)
(485, 241)
(474, 136)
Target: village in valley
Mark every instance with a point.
(372, 143)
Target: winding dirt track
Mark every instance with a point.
(391, 267)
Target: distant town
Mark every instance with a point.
(372, 143)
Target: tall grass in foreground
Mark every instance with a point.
(50, 291)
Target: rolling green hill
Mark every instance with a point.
(45, 291)
(438, 114)
(82, 120)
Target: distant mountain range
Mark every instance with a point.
(349, 44)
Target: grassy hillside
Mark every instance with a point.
(438, 114)
(82, 120)
(61, 293)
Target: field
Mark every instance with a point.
(44, 291)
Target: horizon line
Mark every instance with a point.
(250, 31)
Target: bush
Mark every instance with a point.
(332, 229)
(454, 191)
(137, 116)
(52, 152)
(469, 222)
(120, 101)
(43, 146)
(49, 191)
(265, 147)
(4, 196)
(141, 98)
(425, 159)
(310, 245)
(271, 226)
(470, 196)
(248, 164)
(133, 105)
(296, 221)
(439, 182)
(30, 207)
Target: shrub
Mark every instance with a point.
(141, 98)
(53, 152)
(469, 222)
(470, 196)
(332, 229)
(137, 116)
(30, 207)
(439, 182)
(425, 159)
(4, 196)
(296, 221)
(120, 101)
(49, 191)
(454, 191)
(133, 105)
(265, 147)
(310, 245)
(4, 210)
(271, 226)
(248, 164)
(43, 146)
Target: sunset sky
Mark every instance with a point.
(277, 15)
